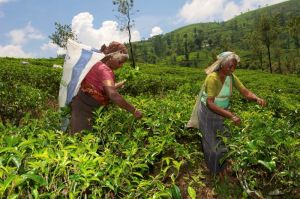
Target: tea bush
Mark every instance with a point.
(44, 78)
(18, 100)
(127, 158)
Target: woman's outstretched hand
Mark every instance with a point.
(137, 114)
(236, 120)
(120, 84)
(261, 102)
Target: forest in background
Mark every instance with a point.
(255, 35)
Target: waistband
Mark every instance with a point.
(91, 91)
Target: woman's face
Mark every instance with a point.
(115, 63)
(229, 67)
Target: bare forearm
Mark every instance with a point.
(117, 99)
(252, 97)
(223, 112)
(220, 111)
(249, 95)
(120, 84)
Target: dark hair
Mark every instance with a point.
(103, 47)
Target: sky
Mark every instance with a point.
(25, 25)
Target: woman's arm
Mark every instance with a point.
(120, 84)
(225, 113)
(118, 99)
(252, 97)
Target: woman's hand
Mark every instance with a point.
(261, 102)
(236, 120)
(120, 84)
(251, 96)
(137, 114)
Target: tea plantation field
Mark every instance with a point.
(155, 157)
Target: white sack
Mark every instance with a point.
(78, 61)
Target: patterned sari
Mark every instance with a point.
(212, 128)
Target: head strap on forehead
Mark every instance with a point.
(118, 55)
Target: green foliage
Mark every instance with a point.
(15, 105)
(267, 148)
(175, 192)
(26, 88)
(192, 192)
(125, 8)
(62, 34)
(38, 73)
(248, 34)
(158, 79)
(263, 146)
(294, 30)
(119, 158)
(127, 158)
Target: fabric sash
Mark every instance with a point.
(92, 91)
(222, 100)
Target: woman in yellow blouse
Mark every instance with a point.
(213, 108)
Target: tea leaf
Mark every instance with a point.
(192, 192)
(175, 191)
(40, 180)
(269, 165)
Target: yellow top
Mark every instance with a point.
(213, 84)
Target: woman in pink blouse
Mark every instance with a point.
(99, 88)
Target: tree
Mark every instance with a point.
(255, 44)
(294, 29)
(268, 33)
(186, 51)
(198, 38)
(125, 9)
(62, 34)
(225, 43)
(159, 46)
(169, 43)
(178, 45)
(277, 52)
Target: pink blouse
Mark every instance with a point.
(98, 73)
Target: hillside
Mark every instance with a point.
(198, 44)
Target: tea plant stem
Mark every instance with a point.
(245, 186)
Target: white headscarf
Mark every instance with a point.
(221, 59)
